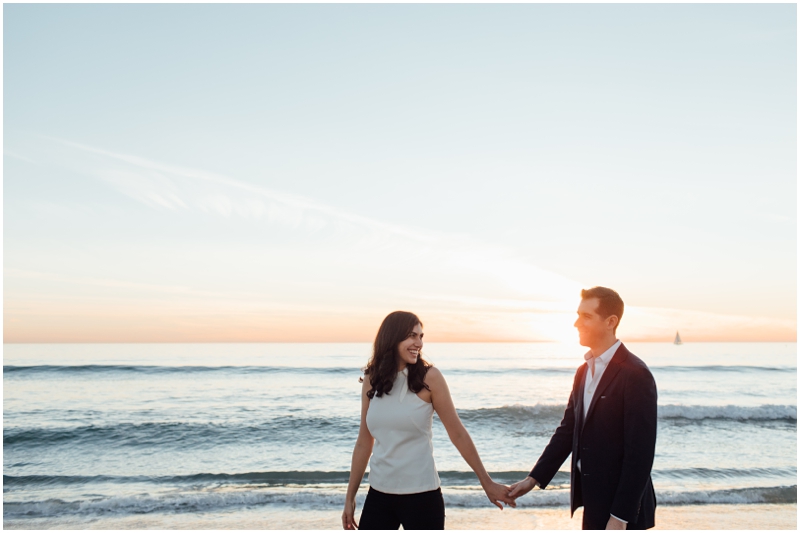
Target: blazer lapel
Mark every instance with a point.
(608, 376)
(579, 395)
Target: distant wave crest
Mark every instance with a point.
(172, 434)
(728, 412)
(157, 369)
(285, 428)
(252, 369)
(666, 412)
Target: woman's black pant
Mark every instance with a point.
(424, 510)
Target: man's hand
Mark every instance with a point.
(522, 487)
(613, 523)
(498, 493)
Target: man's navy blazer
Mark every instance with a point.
(615, 442)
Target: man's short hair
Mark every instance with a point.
(609, 302)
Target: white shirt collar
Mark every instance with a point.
(606, 356)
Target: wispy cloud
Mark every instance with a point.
(179, 189)
(155, 184)
(15, 155)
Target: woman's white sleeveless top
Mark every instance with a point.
(402, 458)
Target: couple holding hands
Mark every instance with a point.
(609, 427)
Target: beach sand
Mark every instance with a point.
(750, 516)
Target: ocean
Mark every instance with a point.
(181, 435)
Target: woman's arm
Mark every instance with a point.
(361, 453)
(443, 405)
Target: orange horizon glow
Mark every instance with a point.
(322, 328)
(629, 340)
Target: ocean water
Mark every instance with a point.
(96, 433)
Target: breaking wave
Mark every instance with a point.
(329, 499)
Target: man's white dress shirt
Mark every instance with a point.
(597, 366)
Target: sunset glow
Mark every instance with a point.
(160, 204)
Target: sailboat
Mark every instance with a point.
(678, 338)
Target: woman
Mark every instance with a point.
(400, 392)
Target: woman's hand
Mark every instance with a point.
(498, 493)
(361, 452)
(349, 515)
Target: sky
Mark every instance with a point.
(293, 173)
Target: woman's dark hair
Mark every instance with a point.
(382, 366)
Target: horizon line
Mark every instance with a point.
(370, 342)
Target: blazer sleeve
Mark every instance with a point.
(560, 445)
(639, 443)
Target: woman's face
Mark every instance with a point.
(408, 350)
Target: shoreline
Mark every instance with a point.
(707, 516)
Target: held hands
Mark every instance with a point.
(349, 515)
(498, 493)
(522, 487)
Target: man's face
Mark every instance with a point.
(592, 328)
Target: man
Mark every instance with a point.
(609, 426)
